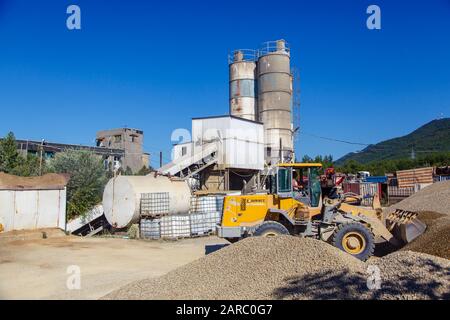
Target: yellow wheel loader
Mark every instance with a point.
(293, 205)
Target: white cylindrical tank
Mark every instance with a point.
(275, 100)
(242, 84)
(122, 197)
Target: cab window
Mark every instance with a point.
(284, 181)
(316, 190)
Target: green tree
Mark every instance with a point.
(28, 166)
(351, 166)
(128, 171)
(87, 179)
(382, 167)
(144, 171)
(326, 161)
(306, 159)
(9, 157)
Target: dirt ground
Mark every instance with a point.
(32, 267)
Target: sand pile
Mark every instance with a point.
(48, 181)
(292, 268)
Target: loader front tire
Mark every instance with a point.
(355, 239)
(270, 229)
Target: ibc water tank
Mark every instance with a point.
(122, 197)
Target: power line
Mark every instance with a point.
(373, 147)
(336, 140)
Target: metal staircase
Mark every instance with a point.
(189, 165)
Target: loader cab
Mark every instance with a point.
(300, 181)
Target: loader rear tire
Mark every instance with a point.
(354, 238)
(270, 229)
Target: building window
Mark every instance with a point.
(99, 142)
(117, 138)
(268, 152)
(183, 151)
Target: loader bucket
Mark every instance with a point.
(405, 226)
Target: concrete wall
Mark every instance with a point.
(32, 209)
(130, 140)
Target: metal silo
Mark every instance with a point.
(275, 100)
(242, 66)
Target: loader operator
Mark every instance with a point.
(306, 191)
(298, 187)
(295, 183)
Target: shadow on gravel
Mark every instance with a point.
(345, 285)
(214, 247)
(384, 248)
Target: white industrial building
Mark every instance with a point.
(224, 145)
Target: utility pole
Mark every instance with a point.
(413, 154)
(160, 159)
(40, 158)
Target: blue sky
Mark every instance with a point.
(155, 65)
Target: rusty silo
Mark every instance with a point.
(275, 100)
(242, 84)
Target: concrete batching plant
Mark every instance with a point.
(231, 152)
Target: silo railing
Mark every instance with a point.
(273, 47)
(250, 55)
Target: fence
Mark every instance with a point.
(365, 189)
(352, 187)
(368, 190)
(397, 194)
(401, 192)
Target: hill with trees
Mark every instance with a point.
(431, 139)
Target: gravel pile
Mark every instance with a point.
(402, 275)
(433, 206)
(435, 198)
(436, 239)
(412, 275)
(293, 268)
(249, 269)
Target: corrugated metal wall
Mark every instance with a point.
(351, 187)
(32, 209)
